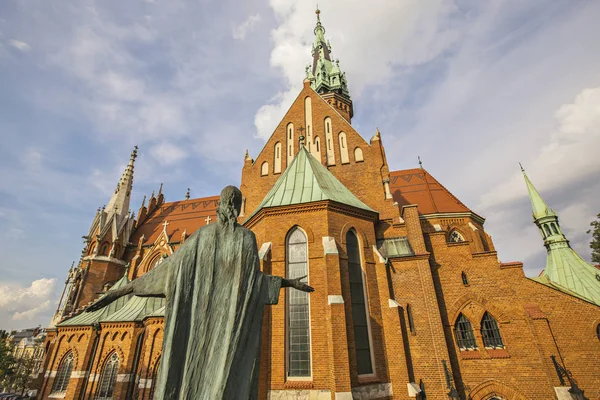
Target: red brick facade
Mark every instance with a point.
(413, 301)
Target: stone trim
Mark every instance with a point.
(123, 377)
(301, 394)
(376, 391)
(265, 249)
(335, 299)
(393, 303)
(93, 377)
(145, 383)
(78, 374)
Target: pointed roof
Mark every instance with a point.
(417, 186)
(565, 270)
(325, 75)
(119, 201)
(539, 206)
(306, 180)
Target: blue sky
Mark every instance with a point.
(472, 87)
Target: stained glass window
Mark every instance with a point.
(359, 306)
(63, 375)
(108, 379)
(298, 318)
(464, 333)
(455, 237)
(490, 332)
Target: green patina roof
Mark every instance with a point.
(124, 309)
(306, 180)
(539, 206)
(565, 270)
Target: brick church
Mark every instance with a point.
(410, 298)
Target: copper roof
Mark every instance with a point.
(417, 186)
(184, 215)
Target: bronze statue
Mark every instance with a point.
(215, 295)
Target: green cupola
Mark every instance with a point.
(325, 75)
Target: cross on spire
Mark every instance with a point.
(208, 219)
(165, 224)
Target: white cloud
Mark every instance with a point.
(246, 27)
(167, 153)
(19, 45)
(384, 35)
(20, 303)
(569, 153)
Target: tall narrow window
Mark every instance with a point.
(329, 142)
(154, 376)
(290, 143)
(343, 148)
(465, 338)
(298, 316)
(465, 279)
(359, 306)
(63, 375)
(548, 233)
(108, 378)
(264, 169)
(554, 230)
(490, 332)
(277, 161)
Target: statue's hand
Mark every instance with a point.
(296, 284)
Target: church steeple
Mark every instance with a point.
(565, 269)
(119, 202)
(325, 75)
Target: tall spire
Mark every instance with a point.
(565, 270)
(119, 202)
(325, 75)
(539, 206)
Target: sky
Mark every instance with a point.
(471, 87)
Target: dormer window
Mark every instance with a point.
(455, 237)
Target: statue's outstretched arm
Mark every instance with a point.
(296, 284)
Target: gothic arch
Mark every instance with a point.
(80, 337)
(123, 336)
(63, 354)
(108, 353)
(462, 302)
(310, 237)
(490, 388)
(451, 230)
(362, 238)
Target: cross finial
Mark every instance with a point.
(187, 194)
(420, 162)
(208, 219)
(522, 169)
(165, 224)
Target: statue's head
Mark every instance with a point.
(230, 205)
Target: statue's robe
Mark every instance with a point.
(215, 296)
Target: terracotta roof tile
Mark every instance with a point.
(417, 186)
(184, 215)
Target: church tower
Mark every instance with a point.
(325, 75)
(101, 261)
(565, 269)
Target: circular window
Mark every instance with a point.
(598, 331)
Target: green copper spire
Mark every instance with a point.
(565, 269)
(325, 75)
(539, 206)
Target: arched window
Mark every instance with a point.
(298, 313)
(598, 331)
(343, 148)
(554, 230)
(548, 233)
(154, 376)
(290, 143)
(465, 338)
(108, 378)
(277, 162)
(358, 154)
(63, 375)
(490, 332)
(104, 251)
(264, 169)
(329, 142)
(360, 315)
(456, 237)
(465, 279)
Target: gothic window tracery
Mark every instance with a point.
(456, 237)
(490, 332)
(465, 338)
(108, 378)
(298, 313)
(360, 315)
(61, 382)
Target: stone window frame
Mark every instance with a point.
(287, 309)
(108, 377)
(63, 374)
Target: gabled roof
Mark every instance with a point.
(184, 215)
(417, 186)
(306, 180)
